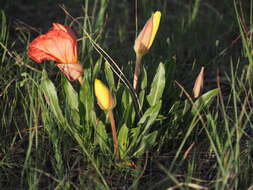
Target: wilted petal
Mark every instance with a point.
(72, 71)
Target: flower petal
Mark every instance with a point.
(156, 21)
(72, 71)
(59, 44)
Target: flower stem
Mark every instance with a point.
(137, 70)
(114, 135)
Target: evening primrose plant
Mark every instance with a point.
(85, 111)
(136, 130)
(77, 122)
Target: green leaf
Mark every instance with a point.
(204, 101)
(101, 137)
(123, 140)
(109, 76)
(128, 116)
(71, 95)
(142, 97)
(51, 97)
(127, 108)
(144, 82)
(126, 99)
(87, 99)
(96, 69)
(144, 79)
(143, 126)
(72, 101)
(157, 86)
(180, 108)
(100, 17)
(147, 142)
(151, 114)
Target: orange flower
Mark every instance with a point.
(58, 44)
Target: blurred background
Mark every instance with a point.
(192, 30)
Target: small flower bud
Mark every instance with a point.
(198, 84)
(147, 35)
(104, 96)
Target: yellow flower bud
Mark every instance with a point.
(147, 35)
(104, 96)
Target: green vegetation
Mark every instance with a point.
(55, 136)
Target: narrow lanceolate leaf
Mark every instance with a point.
(51, 97)
(144, 125)
(123, 140)
(204, 101)
(109, 76)
(157, 86)
(150, 114)
(148, 141)
(144, 78)
(72, 101)
(101, 137)
(71, 95)
(144, 82)
(198, 84)
(87, 99)
(96, 69)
